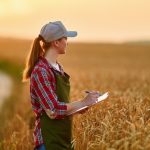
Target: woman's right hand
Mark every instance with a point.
(91, 98)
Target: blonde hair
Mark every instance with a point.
(33, 56)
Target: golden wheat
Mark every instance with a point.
(122, 122)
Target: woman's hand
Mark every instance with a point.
(91, 98)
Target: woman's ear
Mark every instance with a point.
(56, 43)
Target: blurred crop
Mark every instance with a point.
(121, 122)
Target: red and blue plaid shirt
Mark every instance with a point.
(43, 94)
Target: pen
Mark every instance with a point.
(87, 91)
(90, 92)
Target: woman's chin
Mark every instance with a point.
(63, 52)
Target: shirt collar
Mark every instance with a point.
(47, 63)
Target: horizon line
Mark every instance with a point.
(83, 41)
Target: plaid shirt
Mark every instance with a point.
(43, 94)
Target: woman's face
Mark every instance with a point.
(61, 45)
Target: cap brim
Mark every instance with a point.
(71, 33)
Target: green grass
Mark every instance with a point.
(13, 69)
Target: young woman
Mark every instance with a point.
(50, 88)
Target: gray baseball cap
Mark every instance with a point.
(55, 30)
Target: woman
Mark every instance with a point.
(50, 88)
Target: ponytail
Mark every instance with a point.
(32, 58)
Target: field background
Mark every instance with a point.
(122, 122)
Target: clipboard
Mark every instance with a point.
(100, 98)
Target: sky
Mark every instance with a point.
(94, 20)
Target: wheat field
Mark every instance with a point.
(122, 122)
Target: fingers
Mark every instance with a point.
(94, 95)
(50, 114)
(94, 92)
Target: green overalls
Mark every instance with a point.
(57, 133)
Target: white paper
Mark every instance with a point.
(102, 97)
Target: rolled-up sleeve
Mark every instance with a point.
(46, 95)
